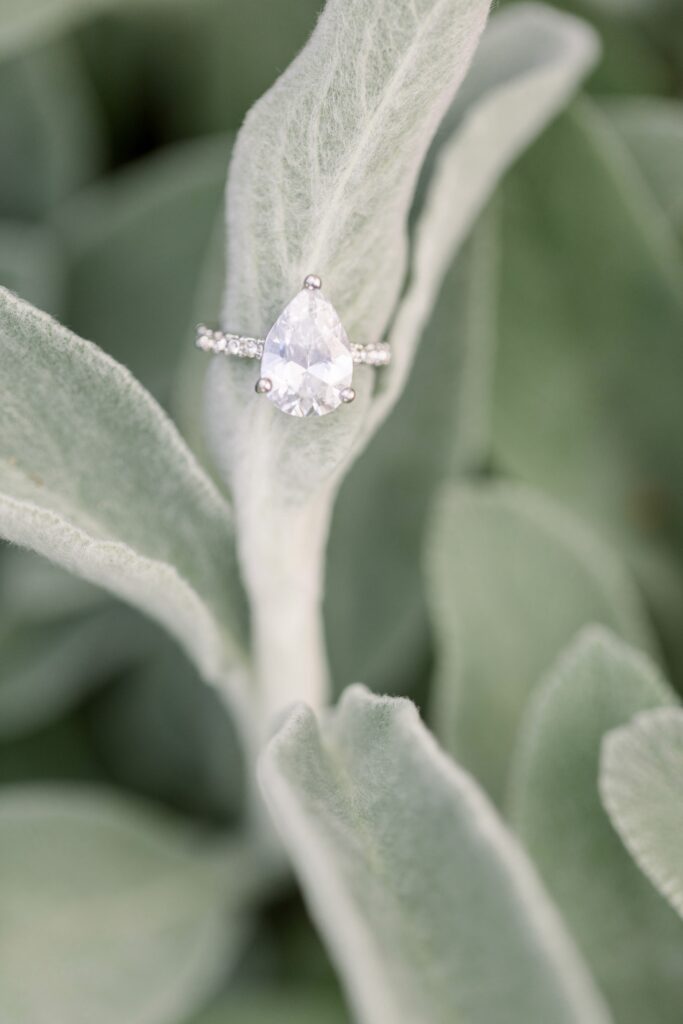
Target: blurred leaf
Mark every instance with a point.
(652, 128)
(530, 64)
(33, 590)
(30, 264)
(46, 668)
(49, 127)
(632, 62)
(162, 734)
(512, 578)
(208, 61)
(29, 23)
(422, 895)
(283, 1005)
(97, 479)
(375, 605)
(590, 313)
(136, 243)
(628, 934)
(122, 913)
(640, 782)
(187, 392)
(60, 751)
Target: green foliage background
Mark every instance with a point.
(545, 410)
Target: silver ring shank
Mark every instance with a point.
(244, 347)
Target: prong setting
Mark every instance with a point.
(312, 282)
(263, 386)
(347, 395)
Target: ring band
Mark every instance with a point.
(307, 359)
(244, 347)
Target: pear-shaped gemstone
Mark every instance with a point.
(307, 357)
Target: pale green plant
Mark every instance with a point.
(502, 878)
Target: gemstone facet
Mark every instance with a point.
(307, 357)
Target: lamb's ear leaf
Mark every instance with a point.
(629, 935)
(95, 477)
(504, 562)
(312, 216)
(640, 782)
(321, 181)
(128, 913)
(529, 65)
(419, 890)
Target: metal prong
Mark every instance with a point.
(263, 385)
(347, 395)
(312, 282)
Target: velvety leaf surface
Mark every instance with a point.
(95, 477)
(512, 578)
(321, 181)
(343, 132)
(289, 470)
(630, 936)
(423, 897)
(640, 782)
(530, 63)
(111, 912)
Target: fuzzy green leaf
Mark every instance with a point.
(111, 912)
(315, 213)
(530, 64)
(94, 476)
(640, 782)
(629, 935)
(422, 895)
(512, 577)
(321, 180)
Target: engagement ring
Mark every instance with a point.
(306, 359)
